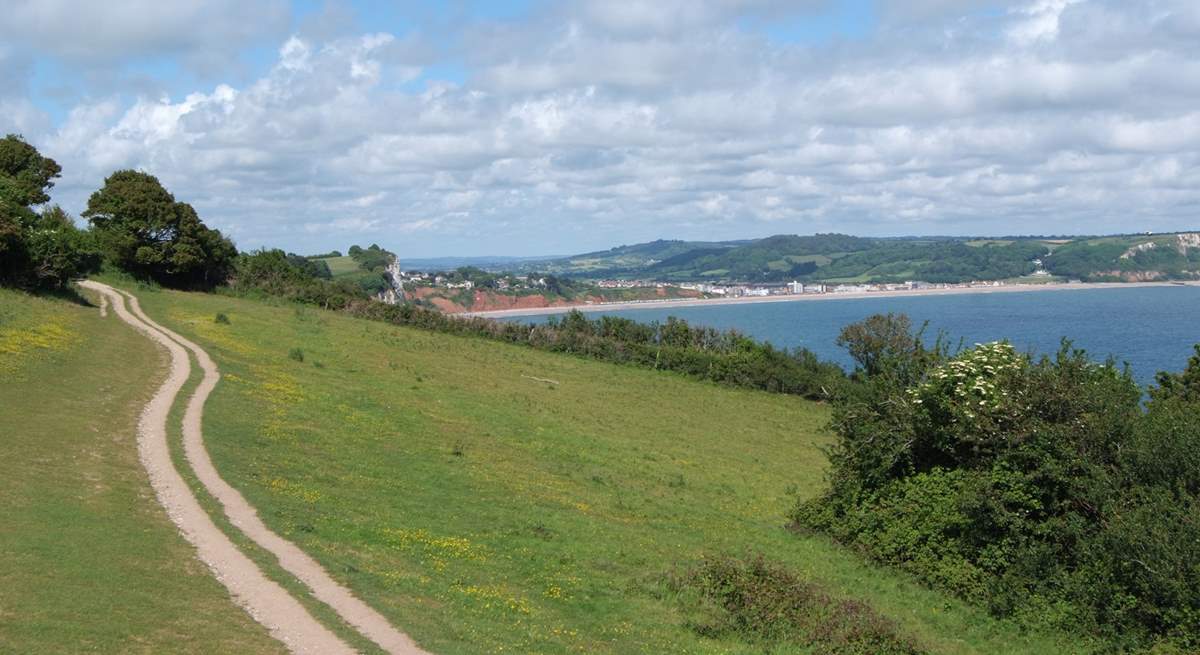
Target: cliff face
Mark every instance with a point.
(1185, 242)
(488, 301)
(394, 294)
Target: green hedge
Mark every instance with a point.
(1044, 489)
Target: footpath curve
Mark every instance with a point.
(266, 601)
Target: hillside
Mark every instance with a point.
(491, 498)
(364, 267)
(839, 258)
(1128, 258)
(774, 258)
(91, 562)
(627, 258)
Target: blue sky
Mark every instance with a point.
(521, 128)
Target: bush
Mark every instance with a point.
(221, 319)
(1139, 576)
(764, 602)
(37, 250)
(273, 273)
(1037, 488)
(295, 354)
(45, 251)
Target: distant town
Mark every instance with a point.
(797, 288)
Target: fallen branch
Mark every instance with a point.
(530, 377)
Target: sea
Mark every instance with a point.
(1149, 328)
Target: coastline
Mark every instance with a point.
(701, 302)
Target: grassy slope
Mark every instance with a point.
(344, 265)
(88, 560)
(487, 512)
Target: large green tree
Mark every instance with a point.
(26, 177)
(37, 249)
(146, 232)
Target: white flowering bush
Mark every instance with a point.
(1044, 488)
(969, 402)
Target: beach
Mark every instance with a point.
(703, 302)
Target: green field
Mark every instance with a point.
(88, 560)
(344, 265)
(486, 511)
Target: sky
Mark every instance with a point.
(521, 127)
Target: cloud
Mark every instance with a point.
(94, 32)
(583, 126)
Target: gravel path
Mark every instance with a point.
(268, 602)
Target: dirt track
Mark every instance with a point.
(268, 602)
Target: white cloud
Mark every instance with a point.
(590, 125)
(89, 31)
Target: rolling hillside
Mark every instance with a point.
(839, 258)
(490, 498)
(90, 561)
(1128, 258)
(631, 259)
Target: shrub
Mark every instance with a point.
(296, 354)
(1139, 576)
(764, 602)
(1040, 489)
(46, 250)
(37, 250)
(221, 319)
(1185, 385)
(273, 273)
(1164, 449)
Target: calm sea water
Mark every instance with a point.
(1151, 328)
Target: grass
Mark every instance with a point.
(344, 265)
(265, 560)
(483, 511)
(89, 562)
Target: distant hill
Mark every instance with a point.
(773, 258)
(635, 258)
(1129, 258)
(840, 258)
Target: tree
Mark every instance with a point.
(37, 250)
(25, 175)
(145, 231)
(1184, 386)
(882, 342)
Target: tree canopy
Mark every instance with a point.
(26, 176)
(145, 231)
(37, 250)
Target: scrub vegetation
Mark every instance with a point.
(1039, 488)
